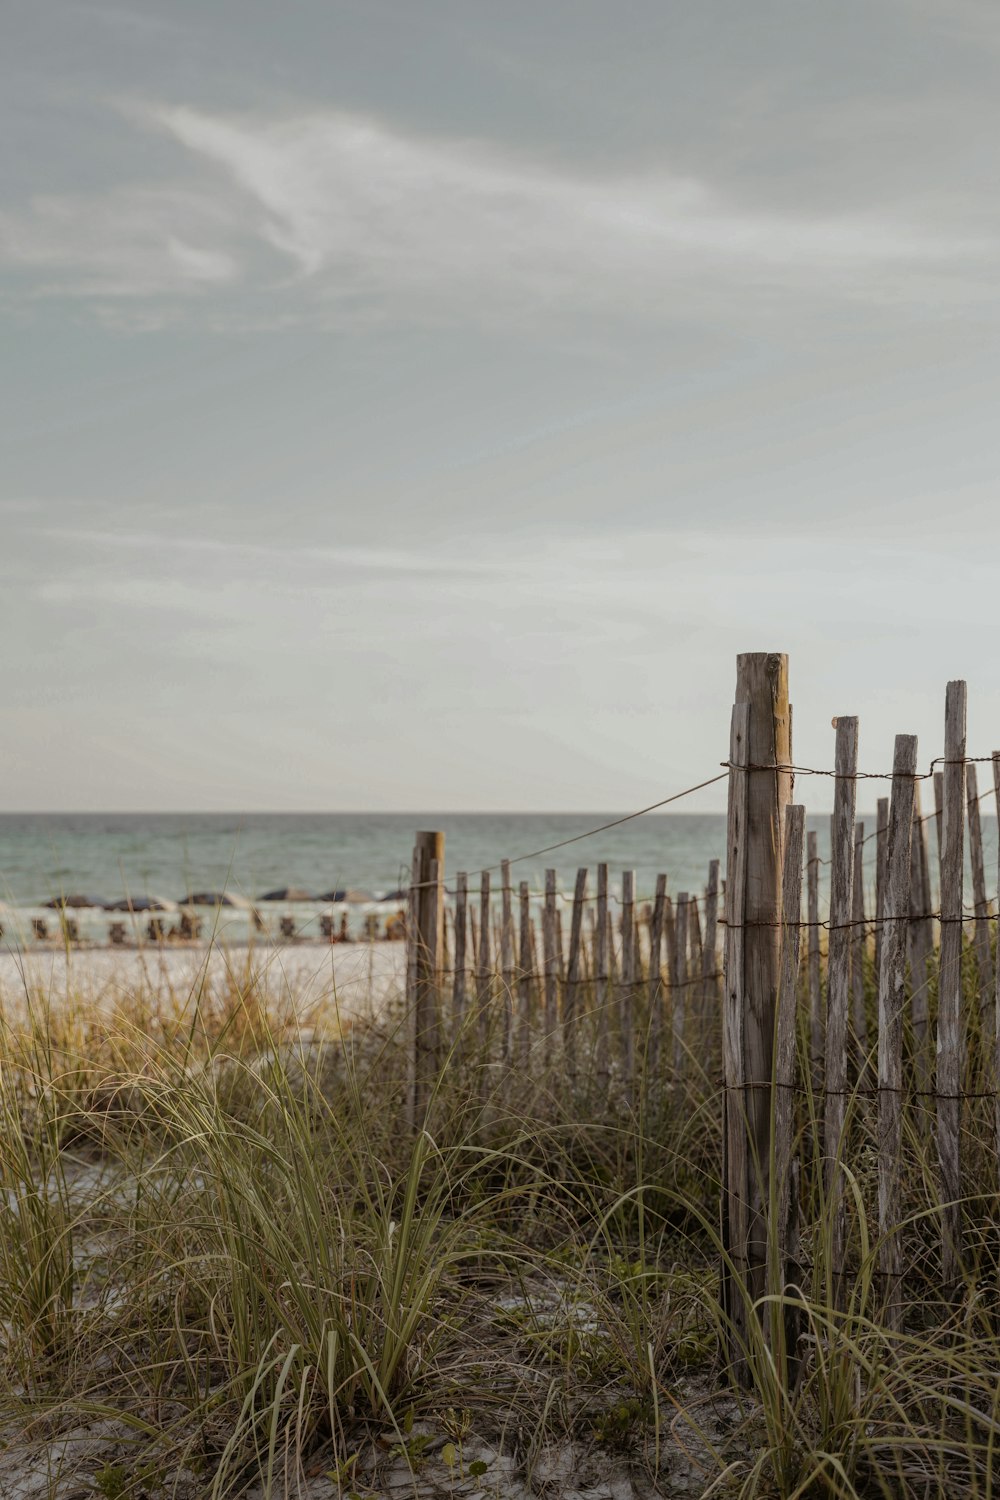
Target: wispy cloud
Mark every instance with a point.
(336, 212)
(136, 242)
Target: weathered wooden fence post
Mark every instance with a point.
(760, 785)
(891, 1004)
(950, 1029)
(550, 963)
(459, 1001)
(506, 961)
(679, 985)
(858, 946)
(525, 974)
(630, 966)
(981, 907)
(484, 971)
(710, 950)
(881, 846)
(654, 1027)
(783, 1238)
(838, 984)
(602, 967)
(735, 1162)
(814, 960)
(573, 993)
(427, 905)
(762, 682)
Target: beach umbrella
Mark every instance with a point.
(355, 897)
(217, 898)
(62, 903)
(288, 893)
(395, 896)
(142, 903)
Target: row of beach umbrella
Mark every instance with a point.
(288, 893)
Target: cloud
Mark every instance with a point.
(329, 214)
(136, 242)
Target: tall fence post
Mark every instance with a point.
(425, 968)
(602, 966)
(762, 682)
(654, 1028)
(735, 1155)
(574, 981)
(525, 974)
(858, 946)
(783, 1237)
(550, 963)
(981, 907)
(679, 984)
(506, 961)
(814, 960)
(838, 983)
(630, 966)
(891, 1004)
(709, 952)
(459, 1002)
(950, 1029)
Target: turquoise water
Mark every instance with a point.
(43, 856)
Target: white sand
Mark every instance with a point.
(356, 977)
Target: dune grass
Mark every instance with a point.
(222, 1247)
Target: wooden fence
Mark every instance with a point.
(869, 1021)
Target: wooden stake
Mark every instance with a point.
(710, 951)
(838, 982)
(881, 844)
(679, 983)
(920, 945)
(762, 681)
(571, 1003)
(630, 964)
(735, 1164)
(601, 974)
(428, 862)
(858, 945)
(950, 1029)
(891, 1003)
(815, 989)
(550, 961)
(459, 994)
(654, 1028)
(484, 976)
(783, 1235)
(939, 818)
(981, 906)
(506, 958)
(525, 971)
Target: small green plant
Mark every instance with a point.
(112, 1482)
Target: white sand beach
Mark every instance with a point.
(353, 978)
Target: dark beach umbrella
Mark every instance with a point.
(61, 903)
(216, 898)
(288, 893)
(396, 896)
(356, 897)
(142, 903)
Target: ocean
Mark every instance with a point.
(106, 855)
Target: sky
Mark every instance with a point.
(412, 404)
